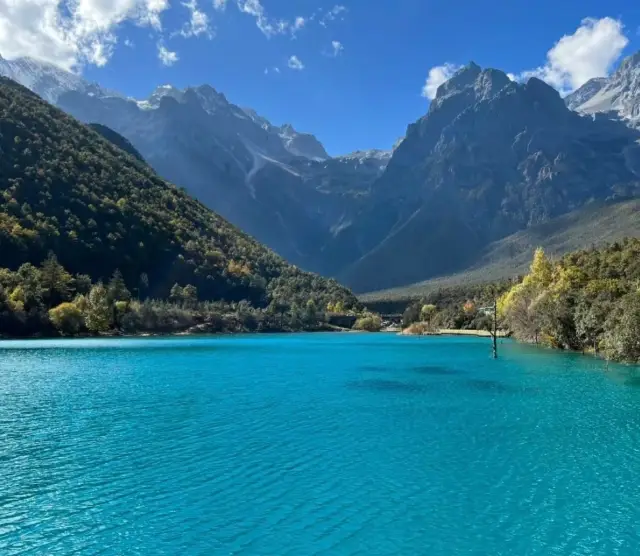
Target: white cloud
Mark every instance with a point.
(334, 13)
(295, 63)
(70, 33)
(254, 8)
(268, 25)
(512, 76)
(437, 76)
(198, 24)
(129, 43)
(150, 16)
(589, 52)
(99, 51)
(271, 26)
(220, 5)
(167, 57)
(298, 24)
(337, 48)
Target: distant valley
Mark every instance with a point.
(490, 159)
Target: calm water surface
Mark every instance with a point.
(315, 444)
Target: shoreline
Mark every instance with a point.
(454, 332)
(183, 333)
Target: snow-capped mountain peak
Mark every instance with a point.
(372, 157)
(158, 94)
(302, 144)
(586, 92)
(47, 80)
(618, 94)
(362, 156)
(298, 144)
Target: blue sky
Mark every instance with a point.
(359, 94)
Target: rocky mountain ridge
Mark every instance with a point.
(491, 157)
(273, 182)
(70, 191)
(617, 95)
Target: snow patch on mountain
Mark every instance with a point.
(585, 93)
(297, 143)
(47, 80)
(369, 157)
(301, 144)
(618, 94)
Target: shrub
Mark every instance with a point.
(67, 318)
(417, 329)
(368, 323)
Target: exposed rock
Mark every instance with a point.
(617, 95)
(491, 157)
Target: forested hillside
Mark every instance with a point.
(65, 189)
(117, 139)
(588, 300)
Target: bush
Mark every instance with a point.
(368, 323)
(67, 318)
(417, 329)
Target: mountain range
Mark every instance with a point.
(490, 158)
(78, 192)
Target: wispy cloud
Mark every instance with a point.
(167, 57)
(589, 52)
(220, 5)
(267, 25)
(295, 63)
(337, 48)
(337, 12)
(198, 23)
(271, 26)
(437, 76)
(298, 24)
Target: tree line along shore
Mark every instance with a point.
(586, 301)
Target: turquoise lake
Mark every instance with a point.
(315, 444)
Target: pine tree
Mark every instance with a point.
(176, 295)
(190, 295)
(56, 282)
(118, 289)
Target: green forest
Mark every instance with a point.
(82, 222)
(47, 300)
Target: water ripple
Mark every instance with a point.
(301, 445)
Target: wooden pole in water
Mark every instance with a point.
(495, 329)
